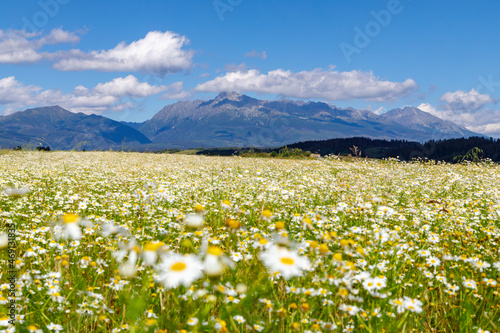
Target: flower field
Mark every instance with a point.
(128, 242)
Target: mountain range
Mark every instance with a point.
(228, 120)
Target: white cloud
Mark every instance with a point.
(128, 86)
(482, 121)
(17, 46)
(159, 53)
(256, 54)
(327, 85)
(428, 108)
(175, 91)
(236, 68)
(109, 96)
(462, 101)
(467, 109)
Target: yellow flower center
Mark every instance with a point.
(287, 261)
(70, 218)
(178, 266)
(214, 250)
(263, 241)
(152, 246)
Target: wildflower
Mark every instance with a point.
(481, 265)
(221, 326)
(490, 282)
(54, 327)
(424, 253)
(433, 261)
(34, 329)
(267, 215)
(149, 252)
(109, 229)
(239, 319)
(369, 284)
(258, 327)
(212, 265)
(469, 283)
(350, 309)
(4, 241)
(4, 321)
(192, 321)
(284, 261)
(199, 209)
(241, 288)
(128, 270)
(380, 282)
(225, 204)
(399, 304)
(194, 221)
(236, 256)
(16, 192)
(71, 228)
(412, 304)
(176, 269)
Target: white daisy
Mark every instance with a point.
(284, 261)
(176, 269)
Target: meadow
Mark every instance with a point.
(129, 242)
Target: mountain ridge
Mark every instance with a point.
(228, 120)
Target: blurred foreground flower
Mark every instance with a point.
(4, 241)
(176, 269)
(16, 192)
(70, 227)
(287, 263)
(194, 221)
(150, 252)
(215, 262)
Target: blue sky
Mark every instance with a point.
(377, 55)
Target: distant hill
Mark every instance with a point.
(61, 129)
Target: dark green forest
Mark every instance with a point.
(450, 150)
